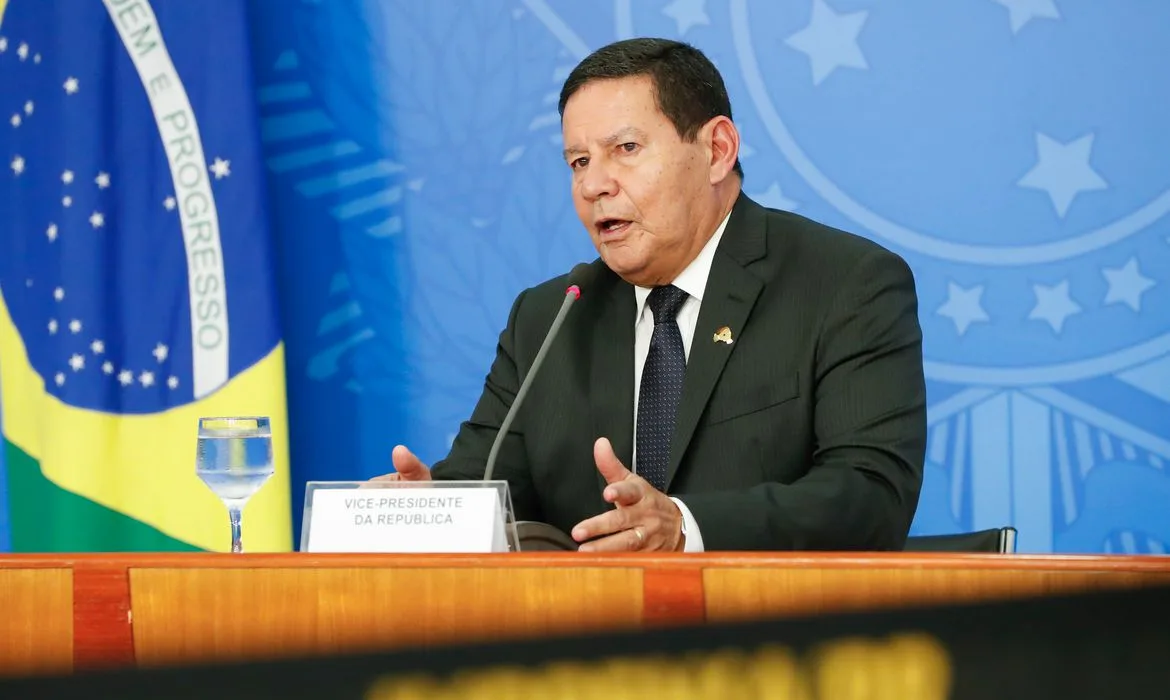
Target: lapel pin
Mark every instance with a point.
(723, 335)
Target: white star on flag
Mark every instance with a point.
(67, 177)
(1053, 305)
(97, 219)
(3, 44)
(125, 377)
(963, 306)
(775, 199)
(1127, 284)
(37, 58)
(28, 108)
(77, 362)
(98, 347)
(1063, 171)
(146, 379)
(59, 293)
(15, 120)
(1020, 12)
(173, 382)
(66, 201)
(52, 326)
(102, 180)
(687, 14)
(17, 165)
(22, 51)
(160, 352)
(169, 203)
(59, 378)
(51, 232)
(71, 86)
(221, 168)
(108, 367)
(830, 40)
(75, 326)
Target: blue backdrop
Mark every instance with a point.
(1012, 150)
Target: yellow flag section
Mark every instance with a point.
(82, 480)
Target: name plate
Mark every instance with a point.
(450, 519)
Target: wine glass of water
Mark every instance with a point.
(234, 460)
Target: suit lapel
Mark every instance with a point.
(612, 373)
(728, 299)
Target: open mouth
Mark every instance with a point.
(612, 227)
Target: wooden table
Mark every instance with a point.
(63, 612)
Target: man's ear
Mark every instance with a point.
(722, 141)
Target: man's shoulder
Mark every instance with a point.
(545, 297)
(806, 236)
(801, 245)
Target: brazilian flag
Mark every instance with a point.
(136, 274)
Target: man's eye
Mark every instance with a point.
(629, 147)
(579, 163)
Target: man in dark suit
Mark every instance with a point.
(732, 377)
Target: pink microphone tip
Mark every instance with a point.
(574, 290)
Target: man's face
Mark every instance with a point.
(638, 188)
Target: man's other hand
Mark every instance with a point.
(645, 518)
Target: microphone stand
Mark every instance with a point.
(539, 536)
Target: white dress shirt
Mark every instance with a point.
(693, 281)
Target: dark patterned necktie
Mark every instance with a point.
(662, 383)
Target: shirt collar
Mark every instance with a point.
(693, 278)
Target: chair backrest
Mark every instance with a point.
(999, 540)
(542, 537)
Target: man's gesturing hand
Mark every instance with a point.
(407, 467)
(645, 518)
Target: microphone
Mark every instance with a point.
(577, 277)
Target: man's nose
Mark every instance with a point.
(597, 182)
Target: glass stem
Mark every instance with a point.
(234, 513)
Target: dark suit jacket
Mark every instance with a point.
(808, 431)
